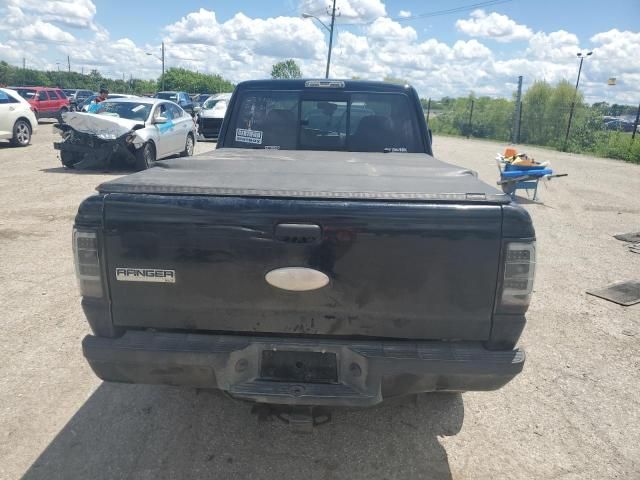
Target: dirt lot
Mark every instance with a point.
(574, 413)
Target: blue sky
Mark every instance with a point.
(481, 50)
(584, 18)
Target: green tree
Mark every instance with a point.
(545, 113)
(194, 82)
(287, 69)
(534, 114)
(175, 79)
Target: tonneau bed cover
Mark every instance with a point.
(310, 174)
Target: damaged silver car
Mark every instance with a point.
(137, 130)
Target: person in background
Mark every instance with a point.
(95, 103)
(104, 93)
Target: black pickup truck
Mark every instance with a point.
(319, 256)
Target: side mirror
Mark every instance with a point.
(197, 109)
(160, 120)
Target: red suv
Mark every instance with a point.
(45, 102)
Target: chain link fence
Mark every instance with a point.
(599, 129)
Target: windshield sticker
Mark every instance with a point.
(137, 108)
(272, 147)
(249, 136)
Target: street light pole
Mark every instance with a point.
(333, 20)
(573, 103)
(161, 58)
(328, 29)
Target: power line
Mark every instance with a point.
(437, 13)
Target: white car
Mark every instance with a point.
(17, 120)
(138, 130)
(211, 115)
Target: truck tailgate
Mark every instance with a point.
(408, 270)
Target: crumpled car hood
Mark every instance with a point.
(102, 126)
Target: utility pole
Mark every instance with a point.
(69, 63)
(162, 65)
(470, 118)
(519, 121)
(428, 110)
(161, 58)
(24, 70)
(573, 103)
(333, 20)
(328, 29)
(635, 124)
(515, 135)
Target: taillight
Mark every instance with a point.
(85, 252)
(519, 272)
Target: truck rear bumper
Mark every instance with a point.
(366, 371)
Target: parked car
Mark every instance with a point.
(139, 130)
(181, 98)
(314, 258)
(211, 115)
(46, 102)
(17, 120)
(82, 107)
(619, 124)
(200, 98)
(76, 97)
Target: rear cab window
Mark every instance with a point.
(317, 120)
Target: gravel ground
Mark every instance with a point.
(573, 413)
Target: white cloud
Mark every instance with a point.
(197, 27)
(73, 13)
(388, 32)
(9, 52)
(356, 10)
(404, 13)
(495, 26)
(289, 37)
(560, 46)
(615, 54)
(470, 50)
(616, 51)
(43, 31)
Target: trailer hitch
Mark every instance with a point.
(302, 419)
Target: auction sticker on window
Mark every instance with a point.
(249, 136)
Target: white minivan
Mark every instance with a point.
(17, 120)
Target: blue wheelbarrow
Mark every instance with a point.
(518, 177)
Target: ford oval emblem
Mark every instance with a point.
(297, 279)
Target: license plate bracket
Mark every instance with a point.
(299, 366)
